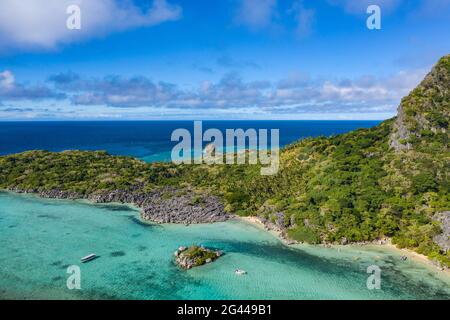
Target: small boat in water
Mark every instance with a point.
(90, 257)
(240, 272)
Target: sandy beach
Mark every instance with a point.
(410, 254)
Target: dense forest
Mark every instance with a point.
(387, 181)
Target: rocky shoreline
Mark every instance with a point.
(184, 206)
(165, 205)
(269, 226)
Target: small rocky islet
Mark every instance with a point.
(194, 256)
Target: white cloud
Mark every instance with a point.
(363, 90)
(6, 80)
(304, 18)
(267, 14)
(297, 91)
(296, 94)
(256, 14)
(42, 23)
(11, 90)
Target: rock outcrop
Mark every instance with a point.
(443, 239)
(426, 108)
(166, 205)
(400, 135)
(195, 256)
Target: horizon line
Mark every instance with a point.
(169, 120)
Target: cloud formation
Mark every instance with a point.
(10, 90)
(256, 14)
(304, 18)
(71, 96)
(295, 93)
(264, 14)
(42, 23)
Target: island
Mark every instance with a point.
(195, 256)
(391, 181)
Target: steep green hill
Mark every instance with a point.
(388, 181)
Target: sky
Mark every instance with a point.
(215, 59)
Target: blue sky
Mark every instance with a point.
(215, 59)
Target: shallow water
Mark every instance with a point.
(40, 238)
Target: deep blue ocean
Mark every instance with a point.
(147, 140)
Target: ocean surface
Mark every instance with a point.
(147, 140)
(41, 238)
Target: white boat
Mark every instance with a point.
(240, 272)
(89, 257)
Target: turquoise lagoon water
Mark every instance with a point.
(40, 238)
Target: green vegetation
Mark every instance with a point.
(354, 186)
(195, 256)
(199, 255)
(83, 172)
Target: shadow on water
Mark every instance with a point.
(113, 206)
(48, 216)
(142, 223)
(56, 263)
(117, 254)
(60, 264)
